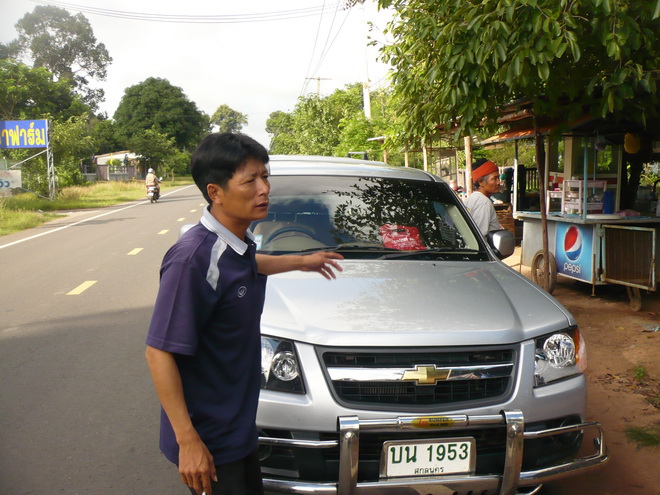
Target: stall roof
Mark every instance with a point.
(526, 131)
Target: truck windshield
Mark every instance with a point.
(365, 217)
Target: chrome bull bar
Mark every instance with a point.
(508, 483)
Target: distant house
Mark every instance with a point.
(105, 167)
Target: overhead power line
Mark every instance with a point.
(280, 15)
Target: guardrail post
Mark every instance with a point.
(515, 429)
(349, 442)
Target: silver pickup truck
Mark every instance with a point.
(428, 367)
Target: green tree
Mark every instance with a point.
(357, 132)
(9, 50)
(457, 62)
(154, 147)
(106, 137)
(313, 128)
(283, 141)
(72, 143)
(156, 104)
(66, 46)
(27, 93)
(333, 125)
(228, 120)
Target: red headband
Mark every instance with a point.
(483, 170)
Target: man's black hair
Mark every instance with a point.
(219, 155)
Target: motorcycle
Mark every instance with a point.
(153, 192)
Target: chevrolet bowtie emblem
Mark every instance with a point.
(426, 375)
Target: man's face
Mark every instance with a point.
(490, 184)
(245, 196)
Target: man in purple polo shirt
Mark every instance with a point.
(203, 344)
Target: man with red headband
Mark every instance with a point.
(486, 179)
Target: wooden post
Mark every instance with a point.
(425, 156)
(542, 167)
(468, 164)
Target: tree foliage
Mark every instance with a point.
(66, 46)
(156, 104)
(27, 93)
(458, 61)
(283, 140)
(228, 120)
(153, 146)
(331, 126)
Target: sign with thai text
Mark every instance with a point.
(19, 134)
(9, 179)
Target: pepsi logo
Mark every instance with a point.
(573, 243)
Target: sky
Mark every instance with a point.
(261, 58)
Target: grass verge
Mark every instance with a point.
(24, 211)
(648, 436)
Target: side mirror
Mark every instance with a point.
(503, 243)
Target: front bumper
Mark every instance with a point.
(507, 482)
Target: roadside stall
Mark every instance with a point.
(590, 238)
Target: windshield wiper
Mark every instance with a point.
(351, 247)
(425, 252)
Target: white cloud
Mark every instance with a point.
(254, 67)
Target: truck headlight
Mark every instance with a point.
(558, 356)
(279, 366)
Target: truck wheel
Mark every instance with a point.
(537, 271)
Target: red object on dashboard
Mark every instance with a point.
(401, 237)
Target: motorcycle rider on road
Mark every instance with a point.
(152, 180)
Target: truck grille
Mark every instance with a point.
(419, 378)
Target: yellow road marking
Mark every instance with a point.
(134, 252)
(163, 232)
(81, 288)
(181, 219)
(193, 211)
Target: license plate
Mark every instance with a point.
(428, 457)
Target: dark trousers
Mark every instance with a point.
(241, 477)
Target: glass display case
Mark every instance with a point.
(573, 196)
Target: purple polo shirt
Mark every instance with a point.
(207, 314)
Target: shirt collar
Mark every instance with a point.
(212, 224)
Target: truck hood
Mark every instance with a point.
(410, 303)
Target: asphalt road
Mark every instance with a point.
(78, 413)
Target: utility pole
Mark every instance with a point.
(366, 96)
(318, 83)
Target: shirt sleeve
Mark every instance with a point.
(183, 305)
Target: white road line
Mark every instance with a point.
(165, 231)
(81, 288)
(88, 219)
(134, 252)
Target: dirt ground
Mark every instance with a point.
(624, 383)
